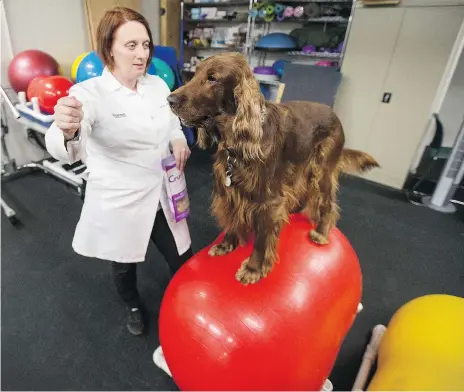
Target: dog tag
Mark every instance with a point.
(228, 181)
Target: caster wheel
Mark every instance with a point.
(13, 220)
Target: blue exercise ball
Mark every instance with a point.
(90, 67)
(162, 69)
(279, 66)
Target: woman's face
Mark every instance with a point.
(131, 48)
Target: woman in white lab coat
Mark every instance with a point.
(121, 126)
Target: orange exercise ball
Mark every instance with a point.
(50, 90)
(282, 333)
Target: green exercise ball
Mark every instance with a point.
(163, 70)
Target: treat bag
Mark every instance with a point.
(176, 188)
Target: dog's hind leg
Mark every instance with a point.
(322, 208)
(328, 210)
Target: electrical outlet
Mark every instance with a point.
(386, 97)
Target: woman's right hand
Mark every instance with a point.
(68, 116)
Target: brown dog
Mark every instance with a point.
(272, 159)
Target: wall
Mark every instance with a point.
(452, 110)
(19, 147)
(60, 31)
(402, 50)
(65, 34)
(5, 45)
(150, 9)
(54, 26)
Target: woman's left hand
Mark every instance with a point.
(181, 153)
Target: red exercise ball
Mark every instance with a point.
(28, 64)
(283, 333)
(50, 90)
(33, 88)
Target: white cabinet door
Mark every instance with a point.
(365, 67)
(424, 43)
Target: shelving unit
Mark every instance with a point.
(188, 23)
(214, 4)
(253, 25)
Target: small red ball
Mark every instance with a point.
(33, 88)
(50, 90)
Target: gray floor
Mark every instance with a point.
(63, 327)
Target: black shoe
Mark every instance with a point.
(135, 321)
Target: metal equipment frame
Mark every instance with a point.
(10, 170)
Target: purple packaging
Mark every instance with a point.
(176, 188)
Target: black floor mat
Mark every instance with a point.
(63, 327)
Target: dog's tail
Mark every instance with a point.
(355, 161)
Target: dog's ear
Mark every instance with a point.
(247, 126)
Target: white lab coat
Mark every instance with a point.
(123, 138)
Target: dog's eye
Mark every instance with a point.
(211, 79)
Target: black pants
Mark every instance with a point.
(125, 274)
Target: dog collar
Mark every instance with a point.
(230, 165)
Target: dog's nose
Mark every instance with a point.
(173, 99)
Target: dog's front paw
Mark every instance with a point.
(246, 274)
(221, 249)
(250, 273)
(318, 238)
